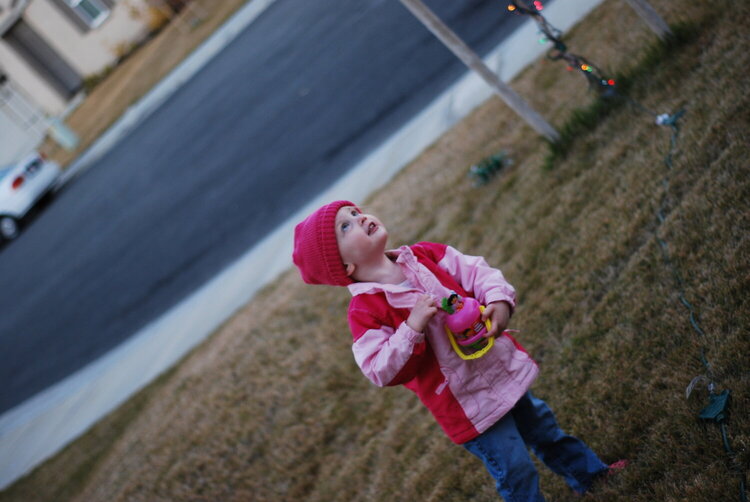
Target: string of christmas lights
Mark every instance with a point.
(606, 86)
(559, 51)
(717, 410)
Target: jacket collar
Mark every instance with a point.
(405, 257)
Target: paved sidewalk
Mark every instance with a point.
(41, 426)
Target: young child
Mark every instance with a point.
(483, 404)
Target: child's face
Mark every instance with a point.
(361, 237)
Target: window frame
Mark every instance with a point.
(85, 16)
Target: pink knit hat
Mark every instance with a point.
(316, 251)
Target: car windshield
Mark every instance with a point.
(4, 171)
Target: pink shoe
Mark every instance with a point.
(603, 479)
(616, 467)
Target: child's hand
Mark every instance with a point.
(423, 311)
(499, 314)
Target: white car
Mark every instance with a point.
(22, 186)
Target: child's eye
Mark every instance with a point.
(345, 226)
(355, 212)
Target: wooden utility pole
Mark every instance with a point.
(651, 17)
(473, 61)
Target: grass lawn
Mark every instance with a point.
(272, 406)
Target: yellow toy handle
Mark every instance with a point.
(477, 354)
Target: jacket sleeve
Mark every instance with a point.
(474, 274)
(386, 356)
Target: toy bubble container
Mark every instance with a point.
(465, 328)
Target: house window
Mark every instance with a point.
(91, 12)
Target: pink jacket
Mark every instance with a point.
(466, 397)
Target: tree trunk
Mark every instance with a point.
(651, 17)
(474, 62)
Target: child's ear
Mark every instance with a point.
(350, 267)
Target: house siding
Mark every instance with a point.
(92, 51)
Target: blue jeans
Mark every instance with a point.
(503, 449)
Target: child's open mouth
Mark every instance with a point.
(371, 228)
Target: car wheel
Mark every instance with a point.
(8, 228)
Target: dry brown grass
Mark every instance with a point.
(132, 79)
(272, 406)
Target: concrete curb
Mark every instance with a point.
(41, 426)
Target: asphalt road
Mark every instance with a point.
(294, 101)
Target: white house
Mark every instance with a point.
(47, 48)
